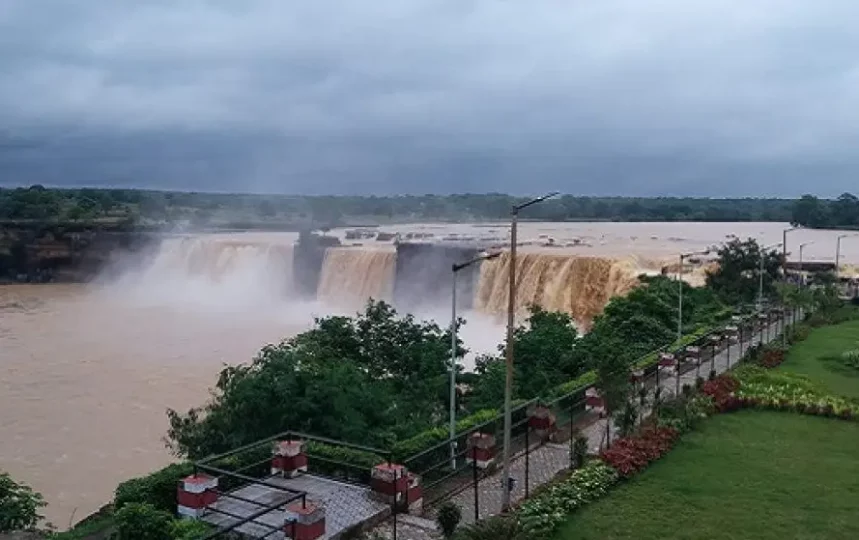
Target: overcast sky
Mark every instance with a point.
(592, 97)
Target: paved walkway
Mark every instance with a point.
(547, 460)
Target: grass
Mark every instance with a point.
(744, 475)
(812, 357)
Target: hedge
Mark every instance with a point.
(157, 489)
(427, 439)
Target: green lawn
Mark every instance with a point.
(808, 358)
(746, 475)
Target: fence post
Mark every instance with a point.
(527, 457)
(572, 442)
(476, 486)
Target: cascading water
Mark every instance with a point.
(580, 286)
(351, 276)
(214, 273)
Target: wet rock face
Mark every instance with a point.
(40, 253)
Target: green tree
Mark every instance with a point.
(19, 505)
(371, 379)
(738, 277)
(809, 211)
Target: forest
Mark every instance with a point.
(222, 210)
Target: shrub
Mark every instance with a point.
(543, 513)
(630, 455)
(494, 528)
(140, 521)
(157, 489)
(432, 437)
(721, 391)
(19, 505)
(190, 529)
(448, 517)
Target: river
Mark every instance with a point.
(87, 371)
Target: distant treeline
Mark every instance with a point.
(214, 209)
(841, 213)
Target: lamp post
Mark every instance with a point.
(455, 269)
(838, 251)
(761, 273)
(801, 247)
(784, 251)
(683, 256)
(508, 383)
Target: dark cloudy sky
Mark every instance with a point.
(638, 97)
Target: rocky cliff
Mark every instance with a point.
(66, 252)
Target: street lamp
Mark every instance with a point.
(508, 384)
(761, 273)
(683, 256)
(456, 268)
(838, 251)
(784, 251)
(801, 247)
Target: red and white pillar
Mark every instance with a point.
(667, 362)
(694, 353)
(389, 483)
(289, 459)
(481, 450)
(542, 421)
(594, 401)
(732, 333)
(304, 520)
(195, 493)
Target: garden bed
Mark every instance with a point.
(749, 474)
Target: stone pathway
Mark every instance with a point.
(547, 460)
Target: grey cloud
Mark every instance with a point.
(610, 97)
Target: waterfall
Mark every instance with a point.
(213, 272)
(580, 286)
(351, 276)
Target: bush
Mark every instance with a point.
(157, 489)
(435, 436)
(448, 518)
(19, 505)
(630, 455)
(494, 528)
(721, 391)
(136, 521)
(349, 460)
(190, 529)
(541, 515)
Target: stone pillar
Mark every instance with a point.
(289, 459)
(594, 401)
(304, 520)
(195, 493)
(542, 421)
(481, 449)
(389, 483)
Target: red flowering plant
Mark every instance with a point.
(722, 391)
(630, 455)
(772, 357)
